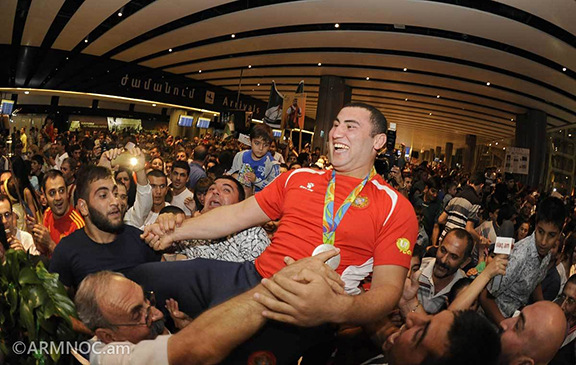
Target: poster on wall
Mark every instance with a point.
(294, 111)
(517, 160)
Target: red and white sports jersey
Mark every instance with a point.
(380, 227)
(62, 227)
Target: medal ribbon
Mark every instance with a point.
(330, 221)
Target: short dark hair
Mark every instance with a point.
(51, 174)
(571, 279)
(201, 187)
(156, 173)
(477, 178)
(473, 340)
(171, 209)
(200, 153)
(181, 165)
(262, 131)
(462, 234)
(72, 162)
(5, 197)
(39, 159)
(87, 175)
(551, 210)
(378, 120)
(241, 192)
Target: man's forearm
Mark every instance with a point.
(368, 307)
(237, 217)
(490, 307)
(211, 337)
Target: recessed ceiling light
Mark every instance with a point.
(496, 143)
(233, 35)
(85, 40)
(199, 71)
(430, 113)
(564, 69)
(437, 96)
(153, 104)
(336, 25)
(367, 78)
(406, 99)
(120, 13)
(504, 148)
(249, 66)
(405, 69)
(169, 49)
(258, 84)
(67, 58)
(570, 135)
(26, 92)
(490, 144)
(488, 84)
(512, 119)
(319, 63)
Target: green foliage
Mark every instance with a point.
(34, 308)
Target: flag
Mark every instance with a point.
(273, 115)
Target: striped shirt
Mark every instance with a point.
(461, 209)
(432, 301)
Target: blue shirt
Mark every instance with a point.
(196, 173)
(266, 169)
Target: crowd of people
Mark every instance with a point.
(208, 250)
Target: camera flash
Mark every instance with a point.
(133, 161)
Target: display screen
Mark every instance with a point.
(7, 106)
(203, 123)
(185, 121)
(277, 134)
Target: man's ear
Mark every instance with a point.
(82, 206)
(379, 141)
(105, 335)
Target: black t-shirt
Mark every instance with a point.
(77, 255)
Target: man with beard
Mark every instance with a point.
(439, 274)
(105, 243)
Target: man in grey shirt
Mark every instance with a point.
(527, 265)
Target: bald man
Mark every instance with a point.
(534, 336)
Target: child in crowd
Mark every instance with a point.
(255, 168)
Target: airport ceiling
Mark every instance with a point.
(439, 69)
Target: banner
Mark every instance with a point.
(517, 160)
(273, 115)
(294, 110)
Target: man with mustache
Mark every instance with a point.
(105, 243)
(439, 274)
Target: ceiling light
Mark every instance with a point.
(169, 49)
(119, 13)
(512, 119)
(564, 69)
(67, 58)
(437, 96)
(26, 92)
(367, 78)
(405, 69)
(258, 84)
(570, 135)
(430, 113)
(233, 35)
(406, 99)
(319, 63)
(496, 143)
(86, 40)
(199, 71)
(153, 104)
(488, 84)
(336, 25)
(504, 148)
(490, 144)
(249, 66)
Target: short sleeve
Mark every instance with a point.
(513, 270)
(449, 206)
(271, 198)
(60, 264)
(474, 214)
(397, 236)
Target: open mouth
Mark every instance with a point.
(214, 204)
(340, 147)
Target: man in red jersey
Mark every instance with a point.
(351, 208)
(60, 219)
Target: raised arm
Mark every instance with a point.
(216, 223)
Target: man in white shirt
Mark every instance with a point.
(120, 314)
(159, 184)
(180, 193)
(17, 239)
(61, 152)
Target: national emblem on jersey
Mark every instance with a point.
(404, 246)
(361, 202)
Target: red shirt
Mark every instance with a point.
(380, 227)
(62, 227)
